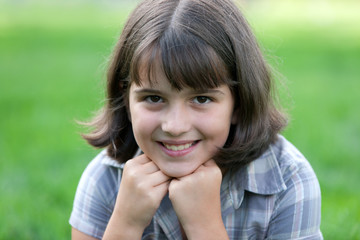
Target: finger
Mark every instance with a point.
(158, 178)
(150, 167)
(162, 189)
(141, 159)
(210, 163)
(213, 167)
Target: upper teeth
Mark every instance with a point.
(177, 147)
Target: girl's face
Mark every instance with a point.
(179, 130)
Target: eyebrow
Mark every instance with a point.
(211, 91)
(147, 90)
(202, 91)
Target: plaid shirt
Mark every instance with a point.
(277, 196)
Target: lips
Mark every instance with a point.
(178, 149)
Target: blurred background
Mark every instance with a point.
(53, 59)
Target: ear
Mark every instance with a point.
(123, 85)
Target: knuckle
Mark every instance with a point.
(153, 200)
(202, 175)
(217, 171)
(142, 187)
(173, 189)
(130, 172)
(129, 164)
(217, 175)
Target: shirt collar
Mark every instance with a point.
(261, 176)
(106, 160)
(112, 162)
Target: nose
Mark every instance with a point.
(176, 120)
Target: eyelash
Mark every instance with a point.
(207, 99)
(153, 99)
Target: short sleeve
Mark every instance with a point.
(95, 198)
(298, 209)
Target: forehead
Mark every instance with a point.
(152, 74)
(183, 62)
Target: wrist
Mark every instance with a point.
(214, 230)
(120, 228)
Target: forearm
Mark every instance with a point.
(142, 188)
(212, 231)
(196, 201)
(119, 229)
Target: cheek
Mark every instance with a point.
(217, 127)
(143, 124)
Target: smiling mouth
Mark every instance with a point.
(178, 147)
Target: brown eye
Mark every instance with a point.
(202, 100)
(153, 99)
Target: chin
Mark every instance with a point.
(177, 173)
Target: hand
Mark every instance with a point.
(142, 188)
(196, 201)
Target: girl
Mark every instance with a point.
(191, 133)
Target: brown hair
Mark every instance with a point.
(201, 44)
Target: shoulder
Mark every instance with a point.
(292, 163)
(96, 195)
(282, 194)
(275, 170)
(102, 175)
(297, 209)
(299, 178)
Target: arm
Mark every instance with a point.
(298, 209)
(196, 201)
(77, 235)
(142, 188)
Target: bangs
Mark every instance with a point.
(186, 60)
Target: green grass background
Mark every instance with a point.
(53, 58)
